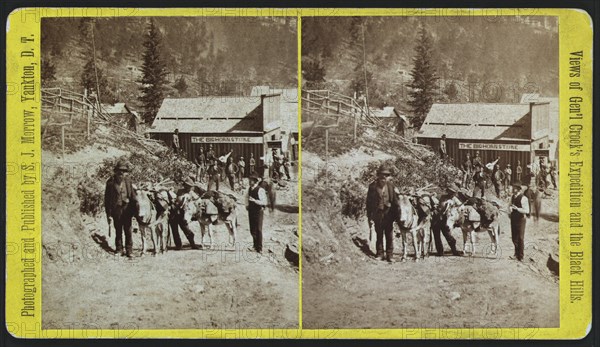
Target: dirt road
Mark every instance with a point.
(344, 287)
(85, 286)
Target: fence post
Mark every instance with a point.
(88, 124)
(355, 125)
(62, 139)
(326, 155)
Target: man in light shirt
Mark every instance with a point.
(256, 200)
(518, 217)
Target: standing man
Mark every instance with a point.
(176, 219)
(519, 209)
(230, 172)
(286, 167)
(256, 200)
(200, 161)
(467, 168)
(241, 169)
(175, 142)
(443, 153)
(497, 179)
(118, 197)
(252, 163)
(214, 175)
(382, 208)
(210, 155)
(268, 162)
(507, 178)
(477, 159)
(479, 178)
(553, 175)
(519, 171)
(439, 223)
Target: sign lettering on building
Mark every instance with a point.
(494, 147)
(226, 139)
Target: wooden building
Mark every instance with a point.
(243, 124)
(289, 117)
(511, 132)
(390, 117)
(123, 115)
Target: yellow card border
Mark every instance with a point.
(23, 176)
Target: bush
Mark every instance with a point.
(91, 197)
(352, 196)
(144, 168)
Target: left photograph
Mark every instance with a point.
(170, 173)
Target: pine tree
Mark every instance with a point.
(92, 76)
(153, 74)
(313, 73)
(181, 85)
(424, 78)
(48, 71)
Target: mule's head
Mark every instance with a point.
(454, 216)
(188, 208)
(142, 206)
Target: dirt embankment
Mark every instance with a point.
(87, 286)
(345, 287)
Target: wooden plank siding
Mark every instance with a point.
(460, 155)
(192, 149)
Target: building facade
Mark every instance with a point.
(244, 125)
(511, 132)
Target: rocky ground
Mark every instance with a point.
(345, 287)
(86, 286)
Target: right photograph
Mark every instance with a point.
(430, 172)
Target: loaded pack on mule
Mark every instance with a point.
(471, 214)
(420, 213)
(151, 210)
(415, 212)
(209, 208)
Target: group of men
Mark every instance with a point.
(474, 172)
(119, 206)
(382, 212)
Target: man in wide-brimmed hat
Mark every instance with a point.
(519, 210)
(256, 201)
(438, 225)
(176, 219)
(382, 208)
(118, 197)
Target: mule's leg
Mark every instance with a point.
(153, 237)
(404, 235)
(472, 237)
(234, 228)
(426, 239)
(230, 228)
(465, 237)
(159, 238)
(415, 243)
(202, 233)
(142, 229)
(210, 235)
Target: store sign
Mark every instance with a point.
(226, 139)
(494, 147)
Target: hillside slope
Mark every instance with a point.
(344, 286)
(87, 286)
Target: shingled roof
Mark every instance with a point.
(210, 115)
(478, 121)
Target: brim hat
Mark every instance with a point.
(254, 176)
(188, 181)
(123, 165)
(452, 187)
(384, 170)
